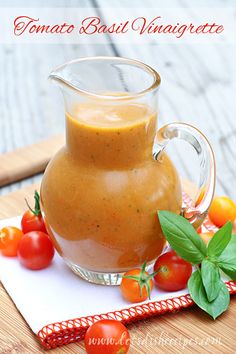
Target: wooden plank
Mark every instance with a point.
(190, 330)
(27, 161)
(14, 203)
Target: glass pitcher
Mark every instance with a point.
(101, 192)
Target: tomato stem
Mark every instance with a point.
(37, 210)
(143, 279)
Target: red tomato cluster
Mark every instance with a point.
(171, 273)
(31, 244)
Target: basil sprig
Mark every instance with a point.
(227, 260)
(197, 292)
(205, 286)
(182, 237)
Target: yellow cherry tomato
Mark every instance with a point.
(131, 287)
(222, 209)
(10, 238)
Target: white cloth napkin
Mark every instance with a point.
(56, 294)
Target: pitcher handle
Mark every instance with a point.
(194, 137)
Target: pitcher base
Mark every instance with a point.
(101, 278)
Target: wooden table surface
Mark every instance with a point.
(198, 87)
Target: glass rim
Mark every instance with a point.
(132, 62)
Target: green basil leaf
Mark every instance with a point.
(220, 240)
(229, 254)
(227, 260)
(198, 294)
(211, 279)
(229, 270)
(182, 237)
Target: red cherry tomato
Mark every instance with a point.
(32, 222)
(35, 250)
(173, 273)
(32, 219)
(107, 337)
(10, 237)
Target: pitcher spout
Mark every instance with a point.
(104, 71)
(61, 76)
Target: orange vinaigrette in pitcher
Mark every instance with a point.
(101, 192)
